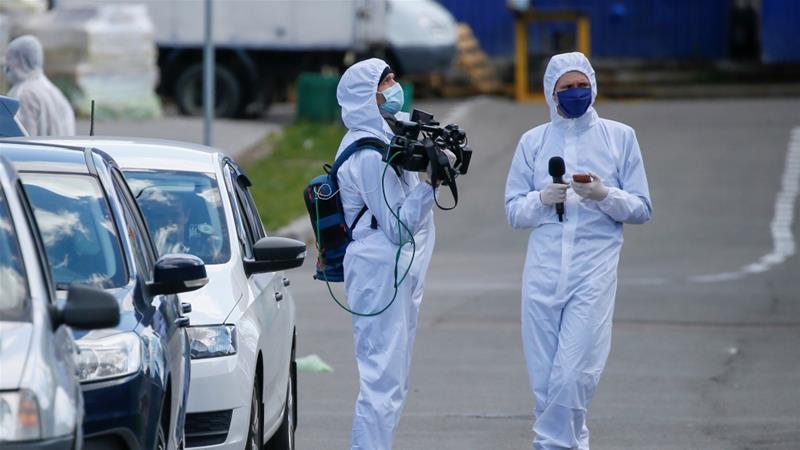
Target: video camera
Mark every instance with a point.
(420, 141)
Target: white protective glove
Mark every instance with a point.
(594, 190)
(553, 193)
(451, 159)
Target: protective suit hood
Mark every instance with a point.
(356, 95)
(24, 59)
(558, 66)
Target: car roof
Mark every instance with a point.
(31, 156)
(145, 153)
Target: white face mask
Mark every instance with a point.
(394, 99)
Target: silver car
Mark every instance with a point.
(41, 405)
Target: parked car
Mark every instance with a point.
(135, 376)
(196, 200)
(41, 406)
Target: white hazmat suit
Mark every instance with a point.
(383, 344)
(43, 109)
(570, 276)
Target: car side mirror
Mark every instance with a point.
(88, 308)
(177, 273)
(272, 254)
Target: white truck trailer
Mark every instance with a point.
(262, 45)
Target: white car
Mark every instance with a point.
(196, 200)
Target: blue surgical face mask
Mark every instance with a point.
(575, 101)
(394, 98)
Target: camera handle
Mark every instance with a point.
(441, 171)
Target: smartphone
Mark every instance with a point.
(582, 178)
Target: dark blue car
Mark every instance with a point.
(134, 377)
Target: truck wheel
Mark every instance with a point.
(228, 92)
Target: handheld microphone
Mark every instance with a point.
(556, 169)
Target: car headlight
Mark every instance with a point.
(19, 416)
(103, 356)
(212, 341)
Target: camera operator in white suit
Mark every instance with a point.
(383, 343)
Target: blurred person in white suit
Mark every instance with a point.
(43, 109)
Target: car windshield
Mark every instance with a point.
(77, 227)
(184, 213)
(13, 284)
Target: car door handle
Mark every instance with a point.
(182, 322)
(278, 296)
(286, 282)
(186, 308)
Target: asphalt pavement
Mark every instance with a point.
(706, 349)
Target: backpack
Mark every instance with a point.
(325, 209)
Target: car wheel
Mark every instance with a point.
(227, 92)
(255, 435)
(284, 437)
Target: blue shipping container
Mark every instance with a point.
(780, 31)
(645, 29)
(490, 20)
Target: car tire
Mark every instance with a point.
(283, 439)
(228, 93)
(255, 427)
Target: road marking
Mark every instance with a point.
(783, 244)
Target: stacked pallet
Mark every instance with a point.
(472, 72)
(474, 61)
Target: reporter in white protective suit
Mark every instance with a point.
(383, 344)
(43, 109)
(570, 276)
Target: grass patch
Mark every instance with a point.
(296, 156)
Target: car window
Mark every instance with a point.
(13, 279)
(183, 211)
(78, 229)
(44, 264)
(252, 212)
(243, 231)
(252, 229)
(136, 233)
